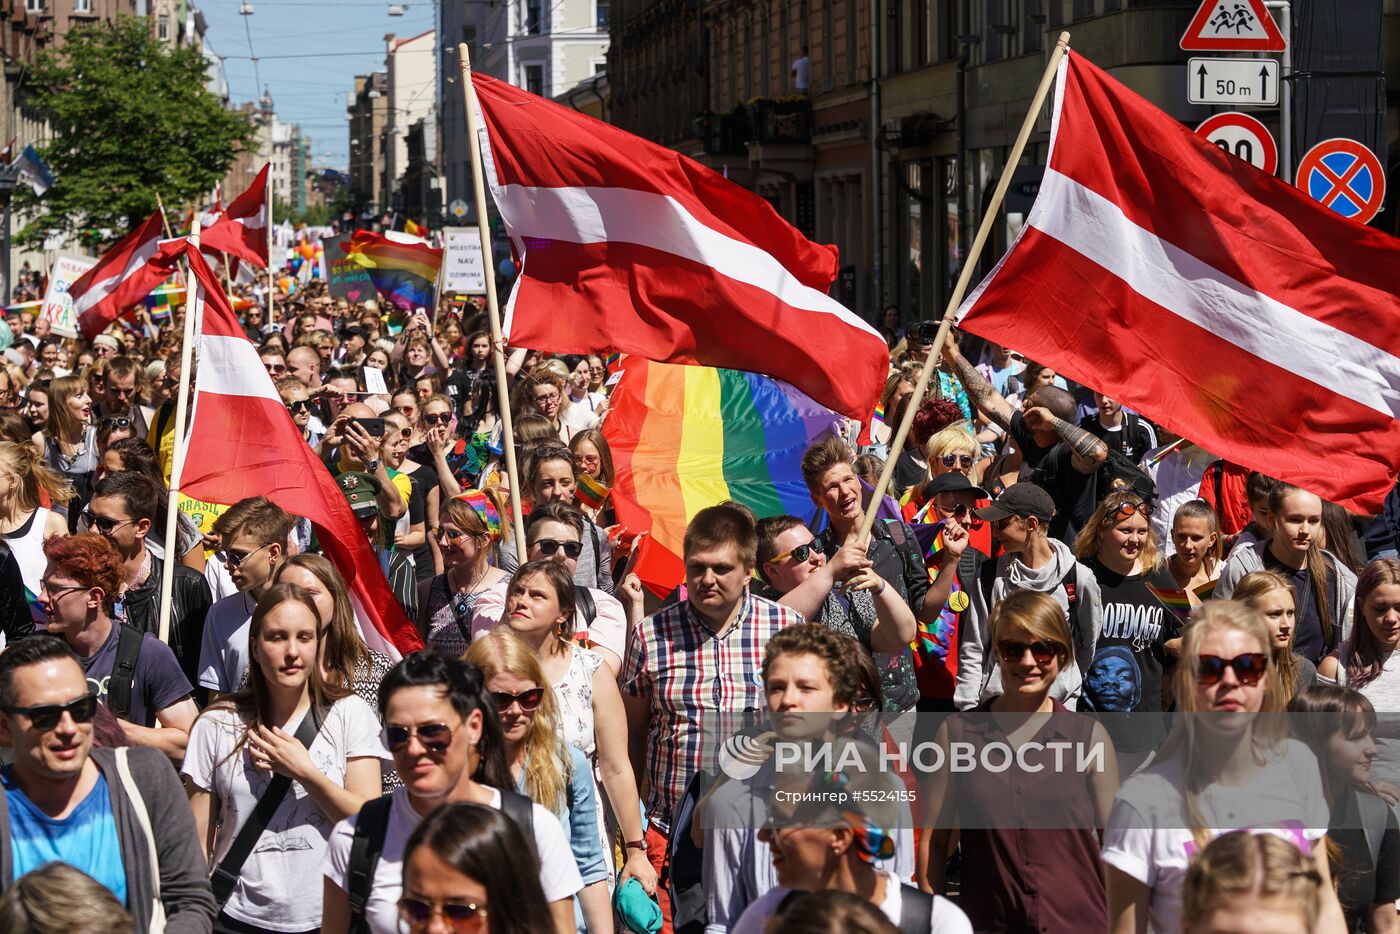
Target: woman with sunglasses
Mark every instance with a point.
(466, 535)
(1269, 595)
(441, 728)
(70, 439)
(1139, 635)
(546, 769)
(1047, 877)
(472, 866)
(593, 458)
(237, 745)
(1223, 767)
(549, 478)
(952, 450)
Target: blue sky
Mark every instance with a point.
(309, 52)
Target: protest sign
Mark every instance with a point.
(58, 305)
(462, 269)
(344, 278)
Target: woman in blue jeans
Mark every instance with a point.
(549, 771)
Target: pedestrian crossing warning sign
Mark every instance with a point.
(1233, 26)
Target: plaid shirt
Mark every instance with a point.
(688, 673)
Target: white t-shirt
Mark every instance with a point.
(223, 649)
(217, 577)
(947, 917)
(558, 873)
(273, 890)
(802, 72)
(1148, 837)
(608, 631)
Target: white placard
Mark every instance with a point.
(58, 306)
(462, 269)
(374, 381)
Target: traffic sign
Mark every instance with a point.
(1345, 176)
(1244, 137)
(1233, 26)
(458, 208)
(1232, 81)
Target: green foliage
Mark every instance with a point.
(129, 117)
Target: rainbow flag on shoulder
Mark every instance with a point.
(404, 270)
(687, 437)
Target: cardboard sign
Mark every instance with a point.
(58, 305)
(374, 381)
(461, 265)
(345, 279)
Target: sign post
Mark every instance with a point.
(1233, 26)
(1345, 176)
(1232, 81)
(1244, 137)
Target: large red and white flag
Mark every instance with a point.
(1215, 299)
(125, 274)
(629, 246)
(243, 443)
(241, 229)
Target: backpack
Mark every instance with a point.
(1118, 472)
(372, 826)
(915, 908)
(124, 671)
(685, 862)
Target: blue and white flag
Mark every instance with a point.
(33, 171)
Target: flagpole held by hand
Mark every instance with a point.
(177, 460)
(493, 310)
(1047, 81)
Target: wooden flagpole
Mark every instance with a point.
(177, 461)
(493, 310)
(271, 281)
(165, 218)
(1047, 81)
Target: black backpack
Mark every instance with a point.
(1119, 473)
(372, 826)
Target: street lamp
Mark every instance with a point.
(9, 177)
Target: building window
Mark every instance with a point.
(534, 14)
(162, 29)
(600, 15)
(534, 79)
(81, 6)
(34, 6)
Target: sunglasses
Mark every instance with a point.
(444, 534)
(441, 418)
(47, 716)
(276, 369)
(435, 737)
(460, 917)
(299, 408)
(115, 421)
(407, 410)
(528, 700)
(1249, 668)
(167, 382)
(548, 546)
(1125, 512)
(960, 512)
(1041, 651)
(965, 461)
(800, 553)
(102, 523)
(233, 558)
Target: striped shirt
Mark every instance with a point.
(688, 672)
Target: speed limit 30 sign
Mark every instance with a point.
(1244, 137)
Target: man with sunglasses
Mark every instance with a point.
(253, 535)
(1033, 561)
(66, 801)
(118, 395)
(133, 673)
(299, 406)
(123, 510)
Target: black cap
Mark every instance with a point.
(953, 482)
(1020, 499)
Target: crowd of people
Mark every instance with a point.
(1049, 565)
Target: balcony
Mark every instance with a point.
(722, 134)
(786, 121)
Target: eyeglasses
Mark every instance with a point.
(1249, 668)
(965, 461)
(548, 546)
(103, 524)
(1041, 651)
(118, 422)
(800, 553)
(587, 460)
(461, 917)
(1125, 511)
(528, 700)
(547, 398)
(233, 558)
(435, 737)
(301, 406)
(441, 418)
(168, 382)
(47, 716)
(57, 590)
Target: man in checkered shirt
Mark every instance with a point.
(700, 657)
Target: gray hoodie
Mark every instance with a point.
(978, 677)
(1245, 559)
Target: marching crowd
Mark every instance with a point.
(1048, 565)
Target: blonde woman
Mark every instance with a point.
(26, 484)
(1223, 767)
(546, 769)
(1269, 594)
(1252, 882)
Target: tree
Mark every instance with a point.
(128, 118)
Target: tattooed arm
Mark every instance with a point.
(1088, 451)
(980, 393)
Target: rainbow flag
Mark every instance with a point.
(404, 273)
(687, 437)
(1173, 598)
(591, 492)
(1206, 591)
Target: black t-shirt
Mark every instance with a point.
(1360, 884)
(1031, 451)
(1307, 634)
(909, 470)
(1075, 494)
(458, 386)
(1126, 674)
(1132, 438)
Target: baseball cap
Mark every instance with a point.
(360, 490)
(1019, 499)
(953, 482)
